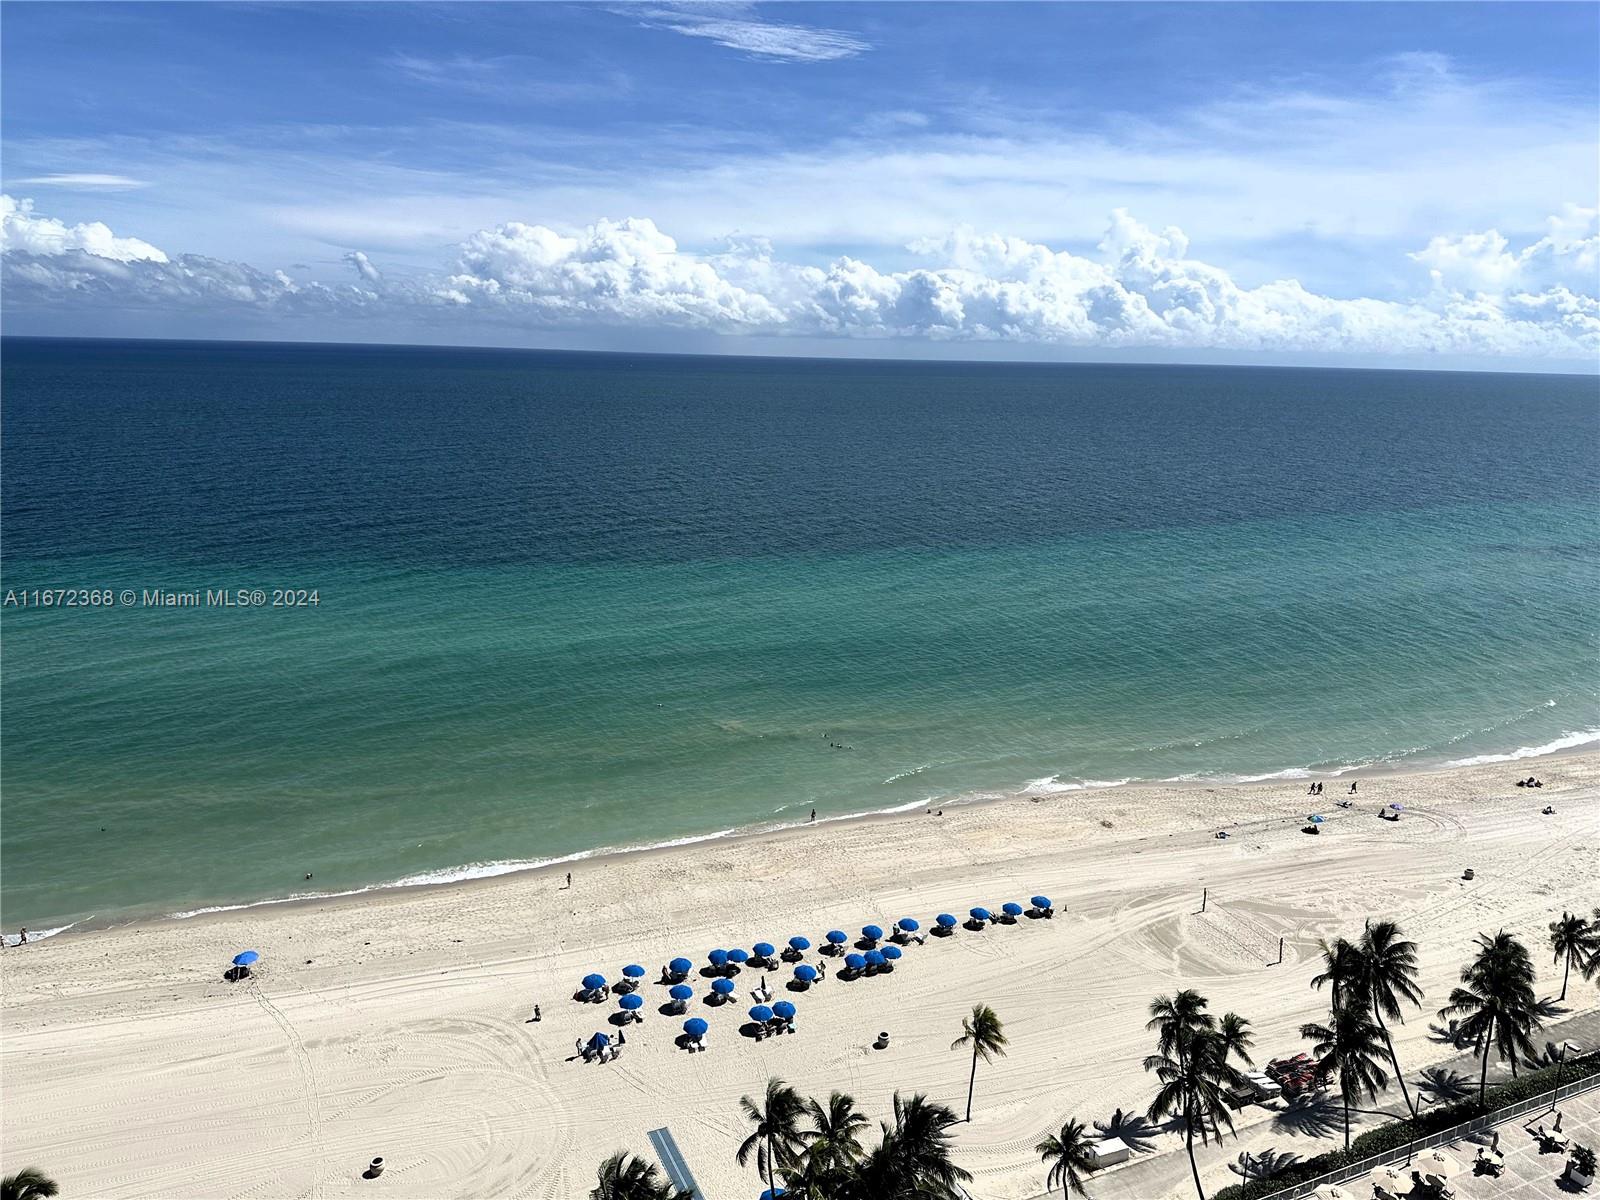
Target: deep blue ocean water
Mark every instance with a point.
(572, 601)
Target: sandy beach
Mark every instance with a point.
(396, 1023)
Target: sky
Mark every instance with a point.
(1355, 184)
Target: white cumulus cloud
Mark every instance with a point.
(363, 266)
(21, 231)
(1475, 293)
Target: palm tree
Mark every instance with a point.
(1263, 1164)
(984, 1033)
(832, 1144)
(1571, 937)
(776, 1137)
(1496, 995)
(1175, 1018)
(1069, 1156)
(1341, 967)
(1234, 1038)
(912, 1162)
(621, 1177)
(1192, 1065)
(1351, 1048)
(1389, 973)
(30, 1183)
(1589, 962)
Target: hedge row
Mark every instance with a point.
(1398, 1133)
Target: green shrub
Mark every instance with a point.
(1252, 1189)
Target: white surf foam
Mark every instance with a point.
(1566, 741)
(38, 935)
(909, 774)
(1290, 773)
(1052, 785)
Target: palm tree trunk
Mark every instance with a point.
(1200, 1191)
(973, 1082)
(772, 1187)
(1346, 1098)
(1395, 1059)
(1565, 972)
(1483, 1075)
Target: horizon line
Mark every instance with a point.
(1593, 373)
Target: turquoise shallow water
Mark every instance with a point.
(568, 602)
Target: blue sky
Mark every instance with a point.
(1398, 183)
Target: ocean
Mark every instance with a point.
(565, 602)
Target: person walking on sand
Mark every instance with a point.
(1352, 787)
(569, 878)
(23, 940)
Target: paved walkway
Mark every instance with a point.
(1532, 1173)
(1318, 1126)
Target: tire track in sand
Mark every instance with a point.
(308, 1074)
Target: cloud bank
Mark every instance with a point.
(1476, 294)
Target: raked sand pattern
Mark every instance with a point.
(394, 1024)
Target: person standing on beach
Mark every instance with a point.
(1352, 787)
(813, 814)
(569, 878)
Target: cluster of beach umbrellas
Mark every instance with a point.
(876, 952)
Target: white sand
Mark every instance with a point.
(131, 1069)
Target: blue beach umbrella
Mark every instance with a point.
(875, 958)
(1011, 909)
(772, 1194)
(761, 1013)
(719, 958)
(946, 921)
(599, 1040)
(632, 1002)
(871, 932)
(838, 937)
(681, 991)
(909, 924)
(695, 1027)
(245, 958)
(680, 966)
(891, 952)
(594, 983)
(763, 949)
(738, 956)
(722, 987)
(979, 914)
(1396, 805)
(805, 973)
(1040, 902)
(855, 962)
(783, 1009)
(633, 971)
(799, 943)
(1317, 818)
